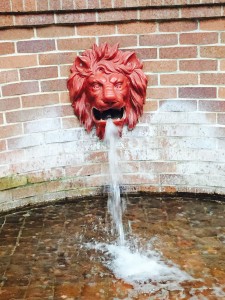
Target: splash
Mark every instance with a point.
(116, 205)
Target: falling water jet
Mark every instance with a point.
(115, 202)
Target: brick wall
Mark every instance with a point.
(179, 143)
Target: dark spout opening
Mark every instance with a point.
(109, 113)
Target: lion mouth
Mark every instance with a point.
(109, 113)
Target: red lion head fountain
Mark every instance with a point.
(107, 83)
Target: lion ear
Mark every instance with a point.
(130, 59)
(82, 63)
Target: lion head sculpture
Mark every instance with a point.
(107, 83)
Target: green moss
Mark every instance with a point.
(12, 182)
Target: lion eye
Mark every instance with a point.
(96, 86)
(118, 85)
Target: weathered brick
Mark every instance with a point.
(25, 141)
(207, 11)
(54, 5)
(33, 19)
(53, 85)
(10, 130)
(161, 93)
(7, 48)
(179, 79)
(80, 4)
(197, 92)
(158, 40)
(42, 5)
(6, 20)
(16, 34)
(218, 106)
(198, 65)
(126, 41)
(75, 43)
(106, 4)
(35, 46)
(212, 51)
(11, 103)
(178, 105)
(178, 52)
(221, 118)
(178, 26)
(9, 76)
(42, 125)
(159, 13)
(18, 61)
(94, 30)
(94, 4)
(68, 4)
(20, 88)
(213, 78)
(128, 15)
(24, 115)
(199, 38)
(71, 122)
(2, 145)
(56, 58)
(40, 100)
(160, 66)
(76, 18)
(38, 73)
(55, 31)
(137, 28)
(151, 106)
(212, 25)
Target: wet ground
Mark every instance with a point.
(43, 254)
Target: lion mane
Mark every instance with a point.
(107, 59)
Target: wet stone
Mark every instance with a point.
(43, 252)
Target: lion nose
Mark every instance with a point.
(109, 94)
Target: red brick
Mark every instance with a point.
(24, 115)
(212, 25)
(7, 48)
(38, 73)
(9, 103)
(29, 5)
(75, 43)
(53, 85)
(161, 93)
(10, 130)
(178, 79)
(222, 92)
(5, 6)
(178, 26)
(17, 5)
(207, 11)
(35, 46)
(16, 34)
(137, 28)
(9, 76)
(18, 61)
(197, 92)
(64, 97)
(93, 4)
(212, 51)
(76, 18)
(159, 40)
(221, 119)
(55, 31)
(198, 65)
(54, 5)
(159, 13)
(42, 5)
(20, 88)
(68, 4)
(212, 78)
(72, 122)
(212, 106)
(199, 38)
(6, 20)
(178, 52)
(96, 30)
(2, 145)
(144, 53)
(1, 119)
(128, 15)
(222, 65)
(125, 41)
(57, 58)
(151, 106)
(31, 20)
(40, 100)
(106, 4)
(160, 66)
(223, 37)
(152, 80)
(12, 156)
(80, 4)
